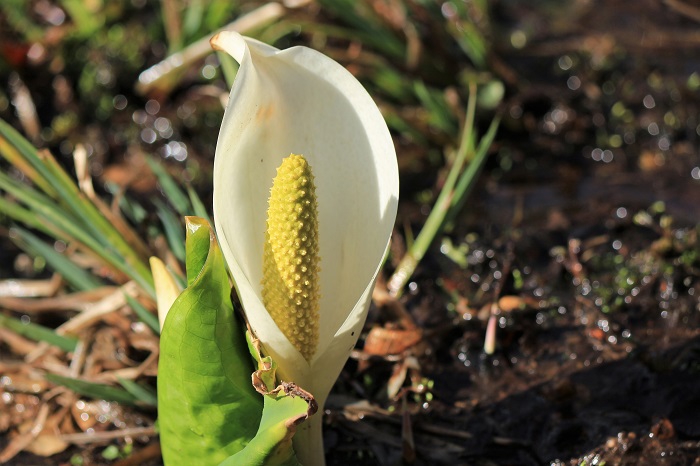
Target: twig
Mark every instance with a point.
(684, 9)
(79, 301)
(17, 343)
(106, 305)
(85, 438)
(14, 288)
(161, 76)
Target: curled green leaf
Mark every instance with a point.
(208, 409)
(286, 407)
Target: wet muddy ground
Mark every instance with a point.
(579, 247)
(585, 226)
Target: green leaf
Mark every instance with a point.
(196, 254)
(110, 453)
(208, 409)
(285, 408)
(272, 445)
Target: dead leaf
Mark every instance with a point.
(21, 441)
(46, 444)
(385, 341)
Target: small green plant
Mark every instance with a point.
(293, 100)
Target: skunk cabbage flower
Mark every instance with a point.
(290, 285)
(298, 101)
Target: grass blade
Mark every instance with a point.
(83, 219)
(143, 394)
(97, 391)
(171, 189)
(471, 174)
(86, 20)
(434, 103)
(174, 231)
(366, 26)
(38, 332)
(72, 230)
(21, 215)
(146, 317)
(451, 198)
(21, 153)
(77, 277)
(198, 206)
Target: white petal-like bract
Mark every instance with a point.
(300, 101)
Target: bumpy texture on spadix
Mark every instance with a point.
(290, 288)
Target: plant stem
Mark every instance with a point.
(308, 441)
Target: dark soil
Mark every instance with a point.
(601, 364)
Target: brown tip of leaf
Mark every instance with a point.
(292, 389)
(214, 41)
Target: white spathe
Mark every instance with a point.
(300, 101)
